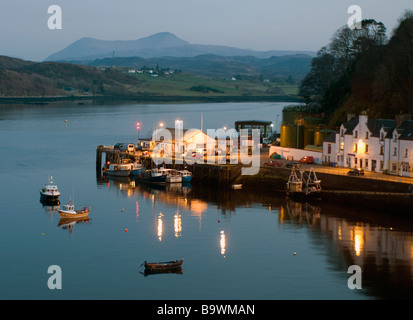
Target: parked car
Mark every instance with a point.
(273, 163)
(356, 172)
(292, 164)
(307, 159)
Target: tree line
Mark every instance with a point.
(361, 69)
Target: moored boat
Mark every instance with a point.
(185, 175)
(69, 211)
(162, 175)
(172, 176)
(119, 170)
(50, 192)
(137, 169)
(307, 186)
(168, 265)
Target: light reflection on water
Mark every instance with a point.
(382, 250)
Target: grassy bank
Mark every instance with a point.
(189, 86)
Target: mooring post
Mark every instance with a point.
(99, 160)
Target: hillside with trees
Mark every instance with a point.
(361, 69)
(27, 79)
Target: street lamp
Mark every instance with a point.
(138, 127)
(161, 124)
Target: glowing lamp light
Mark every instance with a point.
(361, 146)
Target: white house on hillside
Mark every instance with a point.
(381, 145)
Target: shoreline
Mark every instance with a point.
(146, 99)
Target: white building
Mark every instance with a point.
(180, 140)
(381, 145)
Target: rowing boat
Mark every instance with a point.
(163, 265)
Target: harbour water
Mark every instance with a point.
(235, 244)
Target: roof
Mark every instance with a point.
(350, 125)
(252, 122)
(406, 130)
(375, 125)
(186, 133)
(331, 138)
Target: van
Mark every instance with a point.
(127, 147)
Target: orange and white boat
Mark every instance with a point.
(69, 211)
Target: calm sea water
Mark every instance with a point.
(235, 245)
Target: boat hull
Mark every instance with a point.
(173, 179)
(49, 198)
(186, 178)
(118, 173)
(70, 215)
(159, 266)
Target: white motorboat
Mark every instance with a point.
(50, 192)
(172, 176)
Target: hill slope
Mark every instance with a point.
(25, 78)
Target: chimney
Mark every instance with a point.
(363, 117)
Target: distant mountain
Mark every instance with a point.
(157, 45)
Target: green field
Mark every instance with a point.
(181, 84)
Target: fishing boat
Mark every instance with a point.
(118, 170)
(161, 175)
(69, 211)
(137, 169)
(304, 186)
(168, 265)
(157, 175)
(185, 175)
(172, 176)
(50, 192)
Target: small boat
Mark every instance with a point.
(185, 175)
(69, 211)
(307, 186)
(162, 175)
(168, 265)
(172, 176)
(118, 170)
(157, 175)
(137, 169)
(50, 192)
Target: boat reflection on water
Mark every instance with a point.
(380, 244)
(69, 223)
(148, 272)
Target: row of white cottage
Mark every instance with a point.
(381, 145)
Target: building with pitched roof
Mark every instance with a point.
(381, 145)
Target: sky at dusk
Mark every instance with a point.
(248, 24)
